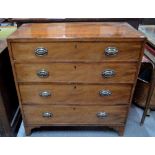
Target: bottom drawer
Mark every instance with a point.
(74, 115)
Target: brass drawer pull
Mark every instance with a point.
(108, 73)
(101, 115)
(47, 114)
(41, 51)
(105, 93)
(111, 51)
(43, 73)
(45, 94)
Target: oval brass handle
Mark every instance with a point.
(111, 51)
(108, 73)
(105, 93)
(41, 51)
(43, 73)
(45, 94)
(101, 114)
(47, 114)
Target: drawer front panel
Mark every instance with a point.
(55, 115)
(76, 51)
(77, 72)
(75, 94)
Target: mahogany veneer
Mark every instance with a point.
(75, 73)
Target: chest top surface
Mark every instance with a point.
(77, 31)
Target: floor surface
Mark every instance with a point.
(133, 128)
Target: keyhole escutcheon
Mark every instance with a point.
(75, 46)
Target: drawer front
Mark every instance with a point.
(76, 51)
(77, 72)
(55, 115)
(75, 94)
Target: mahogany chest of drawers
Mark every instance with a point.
(75, 74)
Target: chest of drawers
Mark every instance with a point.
(75, 74)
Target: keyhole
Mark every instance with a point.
(74, 87)
(74, 108)
(75, 67)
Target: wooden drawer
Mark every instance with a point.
(74, 115)
(77, 72)
(76, 51)
(75, 94)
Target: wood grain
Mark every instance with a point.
(77, 31)
(76, 51)
(77, 72)
(66, 114)
(75, 60)
(75, 94)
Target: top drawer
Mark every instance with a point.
(76, 51)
